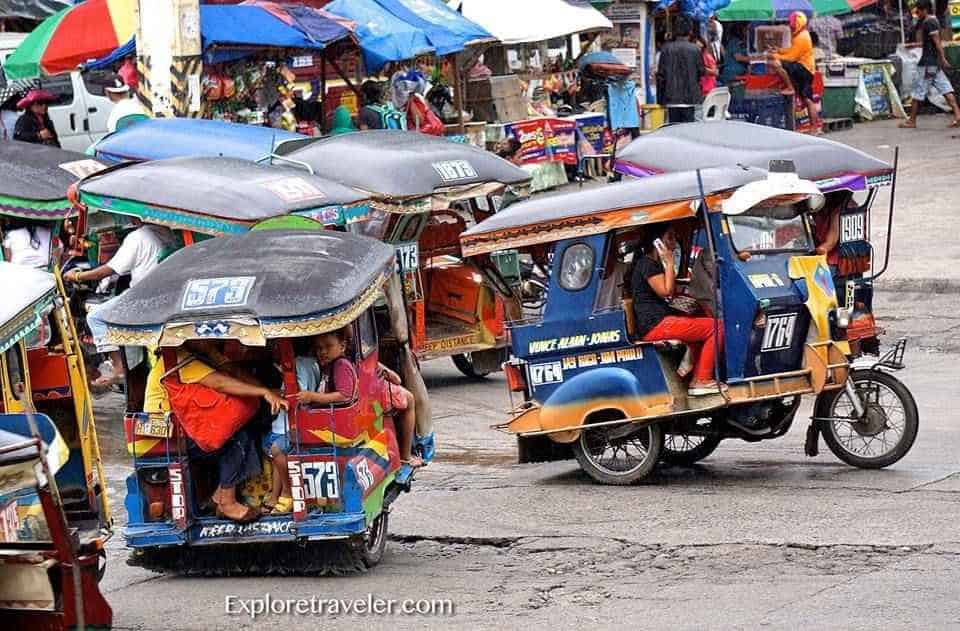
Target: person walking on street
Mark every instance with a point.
(797, 66)
(678, 75)
(34, 125)
(930, 69)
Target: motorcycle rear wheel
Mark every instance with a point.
(593, 445)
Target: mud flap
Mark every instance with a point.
(812, 445)
(489, 360)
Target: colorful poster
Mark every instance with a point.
(545, 140)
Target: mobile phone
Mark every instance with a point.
(658, 243)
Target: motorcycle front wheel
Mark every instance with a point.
(887, 430)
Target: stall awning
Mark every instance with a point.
(256, 25)
(447, 30)
(524, 21)
(398, 30)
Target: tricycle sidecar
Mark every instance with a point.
(592, 388)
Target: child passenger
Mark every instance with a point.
(276, 444)
(340, 378)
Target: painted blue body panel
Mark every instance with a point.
(202, 531)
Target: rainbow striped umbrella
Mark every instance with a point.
(73, 36)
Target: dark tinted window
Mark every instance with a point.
(62, 87)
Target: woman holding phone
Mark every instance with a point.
(654, 281)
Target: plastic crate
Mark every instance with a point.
(767, 109)
(839, 102)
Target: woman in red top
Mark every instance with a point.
(709, 79)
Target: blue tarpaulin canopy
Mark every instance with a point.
(244, 25)
(383, 37)
(253, 26)
(447, 30)
(397, 30)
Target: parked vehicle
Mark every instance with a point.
(54, 513)
(34, 180)
(593, 390)
(161, 138)
(82, 108)
(426, 191)
(261, 293)
(848, 177)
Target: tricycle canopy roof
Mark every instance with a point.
(217, 195)
(398, 167)
(648, 200)
(727, 143)
(159, 138)
(34, 179)
(253, 287)
(26, 292)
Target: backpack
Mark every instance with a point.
(390, 117)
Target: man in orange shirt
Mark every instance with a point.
(797, 66)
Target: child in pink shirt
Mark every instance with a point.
(341, 385)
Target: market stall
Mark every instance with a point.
(524, 84)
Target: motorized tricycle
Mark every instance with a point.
(34, 180)
(54, 514)
(426, 191)
(849, 178)
(161, 138)
(590, 386)
(259, 295)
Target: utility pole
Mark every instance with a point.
(169, 57)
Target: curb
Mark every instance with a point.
(919, 285)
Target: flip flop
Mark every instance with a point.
(414, 463)
(907, 125)
(955, 123)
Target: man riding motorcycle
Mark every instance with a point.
(139, 253)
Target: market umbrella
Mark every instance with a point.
(383, 36)
(73, 36)
(763, 10)
(839, 7)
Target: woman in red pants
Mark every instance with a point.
(654, 280)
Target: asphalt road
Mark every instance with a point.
(758, 535)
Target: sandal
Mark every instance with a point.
(284, 506)
(414, 462)
(266, 508)
(954, 123)
(907, 125)
(249, 516)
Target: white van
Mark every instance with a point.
(82, 108)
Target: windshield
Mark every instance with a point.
(769, 234)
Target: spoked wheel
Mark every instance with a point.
(619, 454)
(375, 541)
(684, 449)
(464, 363)
(887, 430)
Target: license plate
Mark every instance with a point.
(778, 335)
(153, 427)
(853, 227)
